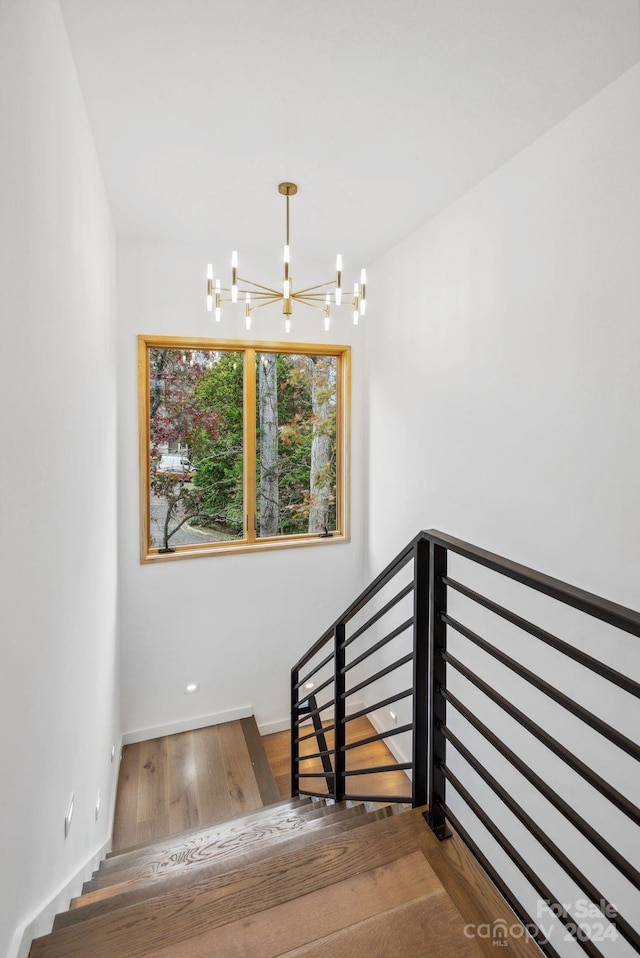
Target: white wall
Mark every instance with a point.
(235, 624)
(58, 672)
(504, 393)
(509, 363)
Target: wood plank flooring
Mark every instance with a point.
(392, 784)
(182, 781)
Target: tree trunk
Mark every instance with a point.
(268, 400)
(320, 488)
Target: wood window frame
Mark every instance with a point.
(250, 541)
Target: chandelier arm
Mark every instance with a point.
(267, 302)
(257, 285)
(274, 295)
(311, 304)
(309, 289)
(319, 298)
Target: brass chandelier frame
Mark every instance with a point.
(321, 296)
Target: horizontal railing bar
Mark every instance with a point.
(379, 582)
(580, 824)
(380, 735)
(378, 705)
(322, 774)
(505, 890)
(392, 799)
(379, 645)
(378, 675)
(603, 609)
(378, 769)
(596, 723)
(613, 795)
(372, 589)
(314, 670)
(534, 879)
(589, 662)
(550, 847)
(383, 611)
(327, 751)
(315, 691)
(314, 734)
(307, 715)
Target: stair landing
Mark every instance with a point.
(177, 782)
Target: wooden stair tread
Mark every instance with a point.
(315, 860)
(223, 844)
(303, 920)
(208, 903)
(132, 850)
(179, 848)
(231, 858)
(428, 927)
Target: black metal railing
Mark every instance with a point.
(545, 792)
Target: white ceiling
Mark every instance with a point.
(383, 111)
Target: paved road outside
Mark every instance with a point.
(184, 536)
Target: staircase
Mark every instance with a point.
(296, 878)
(338, 869)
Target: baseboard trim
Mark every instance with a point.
(42, 922)
(187, 725)
(283, 725)
(268, 728)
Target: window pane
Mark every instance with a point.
(296, 406)
(196, 447)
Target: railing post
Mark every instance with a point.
(420, 671)
(437, 679)
(339, 713)
(295, 731)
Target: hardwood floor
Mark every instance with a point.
(391, 784)
(196, 778)
(181, 781)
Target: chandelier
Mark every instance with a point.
(255, 295)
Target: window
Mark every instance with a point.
(242, 445)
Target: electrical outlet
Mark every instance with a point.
(113, 753)
(98, 805)
(394, 717)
